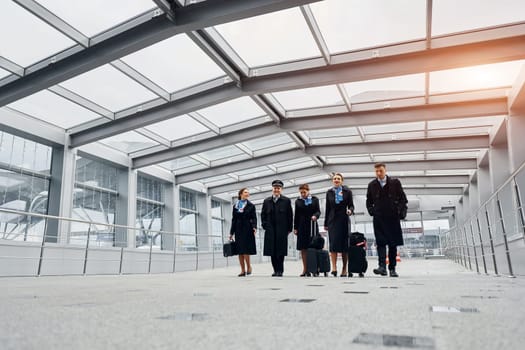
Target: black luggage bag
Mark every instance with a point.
(317, 259)
(230, 249)
(357, 262)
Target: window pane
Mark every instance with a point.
(178, 128)
(129, 142)
(386, 88)
(475, 77)
(169, 63)
(96, 174)
(109, 88)
(150, 217)
(25, 193)
(149, 188)
(21, 153)
(232, 112)
(310, 97)
(449, 16)
(94, 16)
(54, 109)
(93, 206)
(355, 24)
(30, 39)
(276, 37)
(188, 200)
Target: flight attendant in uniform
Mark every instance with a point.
(277, 222)
(339, 207)
(307, 212)
(244, 229)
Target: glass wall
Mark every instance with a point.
(150, 212)
(25, 168)
(188, 221)
(217, 224)
(94, 200)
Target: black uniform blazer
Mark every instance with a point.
(304, 213)
(396, 196)
(333, 210)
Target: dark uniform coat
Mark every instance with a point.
(303, 221)
(244, 221)
(337, 220)
(277, 222)
(387, 205)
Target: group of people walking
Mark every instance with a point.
(386, 202)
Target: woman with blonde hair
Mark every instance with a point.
(339, 207)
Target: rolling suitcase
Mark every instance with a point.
(317, 259)
(323, 261)
(357, 262)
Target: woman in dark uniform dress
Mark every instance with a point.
(339, 206)
(306, 210)
(244, 228)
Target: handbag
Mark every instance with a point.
(230, 249)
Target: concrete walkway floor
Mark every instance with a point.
(435, 304)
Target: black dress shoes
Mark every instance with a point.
(393, 273)
(381, 271)
(274, 274)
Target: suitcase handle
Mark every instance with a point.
(313, 230)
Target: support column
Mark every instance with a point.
(204, 221)
(171, 215)
(126, 207)
(499, 163)
(60, 195)
(484, 183)
(474, 194)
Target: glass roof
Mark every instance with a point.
(168, 63)
(109, 88)
(81, 14)
(354, 24)
(475, 77)
(308, 98)
(266, 49)
(53, 109)
(273, 38)
(3, 73)
(232, 112)
(386, 88)
(449, 16)
(25, 28)
(129, 142)
(178, 127)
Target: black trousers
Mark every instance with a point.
(278, 263)
(392, 255)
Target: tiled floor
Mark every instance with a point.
(433, 305)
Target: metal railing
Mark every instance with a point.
(87, 245)
(482, 241)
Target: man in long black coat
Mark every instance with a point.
(277, 222)
(387, 203)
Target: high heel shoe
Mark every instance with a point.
(334, 273)
(242, 274)
(249, 272)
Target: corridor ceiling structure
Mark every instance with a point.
(234, 93)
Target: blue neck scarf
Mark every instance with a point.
(240, 205)
(307, 200)
(338, 194)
